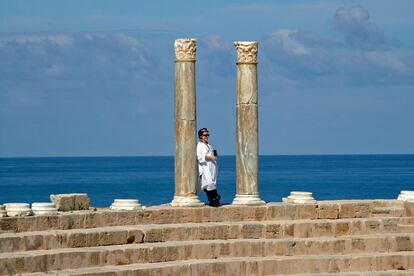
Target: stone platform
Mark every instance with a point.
(367, 237)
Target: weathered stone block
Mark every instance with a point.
(70, 202)
(339, 246)
(289, 211)
(180, 215)
(409, 208)
(390, 225)
(135, 236)
(93, 219)
(33, 242)
(234, 231)
(172, 253)
(219, 214)
(197, 215)
(323, 229)
(153, 235)
(26, 223)
(220, 232)
(108, 218)
(356, 227)
(358, 244)
(71, 221)
(354, 210)
(341, 228)
(234, 213)
(276, 211)
(252, 231)
(55, 241)
(78, 239)
(126, 217)
(404, 244)
(288, 230)
(45, 222)
(328, 211)
(306, 211)
(206, 214)
(9, 244)
(8, 224)
(373, 225)
(206, 233)
(303, 230)
(273, 231)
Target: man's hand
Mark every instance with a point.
(211, 158)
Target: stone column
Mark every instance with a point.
(185, 155)
(246, 125)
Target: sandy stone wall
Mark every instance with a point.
(167, 214)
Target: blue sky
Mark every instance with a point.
(93, 78)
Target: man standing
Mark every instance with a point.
(207, 168)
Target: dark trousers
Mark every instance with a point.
(213, 197)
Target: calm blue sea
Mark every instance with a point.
(151, 179)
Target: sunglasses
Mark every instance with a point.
(206, 135)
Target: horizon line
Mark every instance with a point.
(126, 156)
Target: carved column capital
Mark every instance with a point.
(246, 51)
(185, 49)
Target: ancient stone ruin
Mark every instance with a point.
(299, 236)
(368, 237)
(247, 148)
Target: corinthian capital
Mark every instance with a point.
(185, 49)
(246, 51)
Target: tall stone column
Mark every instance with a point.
(247, 150)
(185, 155)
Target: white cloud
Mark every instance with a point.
(389, 60)
(214, 41)
(56, 39)
(288, 42)
(359, 31)
(128, 40)
(364, 54)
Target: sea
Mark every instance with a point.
(151, 179)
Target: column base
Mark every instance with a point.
(406, 196)
(247, 200)
(186, 201)
(299, 198)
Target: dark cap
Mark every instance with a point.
(201, 131)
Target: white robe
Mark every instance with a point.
(207, 169)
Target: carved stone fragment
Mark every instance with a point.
(246, 51)
(185, 49)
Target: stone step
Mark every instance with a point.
(397, 272)
(275, 265)
(168, 215)
(66, 258)
(118, 235)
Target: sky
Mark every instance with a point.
(95, 78)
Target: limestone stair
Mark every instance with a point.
(59, 259)
(127, 234)
(371, 273)
(279, 265)
(226, 243)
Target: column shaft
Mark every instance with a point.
(185, 162)
(247, 144)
